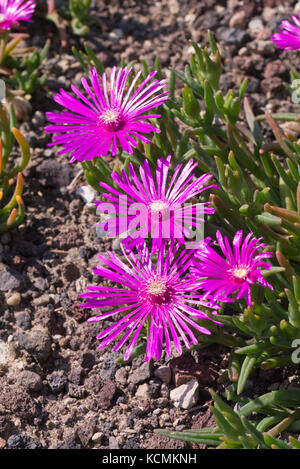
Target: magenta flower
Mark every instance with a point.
(111, 114)
(288, 37)
(155, 205)
(160, 294)
(236, 273)
(12, 11)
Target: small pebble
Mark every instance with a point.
(14, 299)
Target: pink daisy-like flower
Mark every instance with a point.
(288, 37)
(161, 294)
(236, 273)
(12, 11)
(112, 115)
(156, 205)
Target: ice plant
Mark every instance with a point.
(158, 293)
(161, 201)
(114, 114)
(13, 11)
(288, 37)
(234, 274)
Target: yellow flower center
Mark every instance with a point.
(110, 115)
(240, 272)
(158, 206)
(157, 287)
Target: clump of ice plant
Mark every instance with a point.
(158, 293)
(155, 204)
(288, 37)
(234, 273)
(109, 116)
(13, 11)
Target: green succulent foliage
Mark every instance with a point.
(77, 12)
(279, 411)
(258, 191)
(23, 74)
(26, 73)
(12, 209)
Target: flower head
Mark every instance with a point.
(160, 202)
(237, 272)
(110, 114)
(288, 37)
(161, 294)
(12, 11)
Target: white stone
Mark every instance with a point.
(86, 193)
(186, 395)
(97, 437)
(256, 24)
(3, 352)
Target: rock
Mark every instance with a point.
(157, 442)
(71, 272)
(20, 404)
(185, 368)
(163, 373)
(85, 431)
(37, 343)
(3, 352)
(10, 279)
(113, 444)
(233, 36)
(121, 376)
(6, 427)
(116, 244)
(238, 20)
(109, 366)
(263, 47)
(87, 360)
(87, 194)
(154, 388)
(14, 299)
(76, 375)
(19, 441)
(57, 381)
(256, 24)
(30, 381)
(272, 86)
(23, 320)
(142, 391)
(275, 69)
(132, 443)
(186, 395)
(269, 13)
(41, 300)
(97, 437)
(38, 119)
(174, 6)
(76, 391)
(2, 443)
(106, 395)
(141, 374)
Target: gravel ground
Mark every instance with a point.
(58, 390)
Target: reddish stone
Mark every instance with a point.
(185, 369)
(106, 395)
(276, 68)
